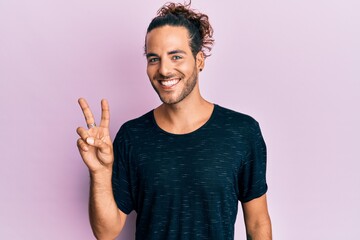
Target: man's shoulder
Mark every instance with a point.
(234, 117)
(137, 125)
(237, 124)
(140, 121)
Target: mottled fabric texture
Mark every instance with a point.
(187, 186)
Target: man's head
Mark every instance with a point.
(197, 24)
(176, 44)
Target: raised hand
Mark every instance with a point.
(95, 145)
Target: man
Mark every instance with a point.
(184, 166)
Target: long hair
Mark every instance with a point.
(181, 15)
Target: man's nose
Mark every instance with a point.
(165, 68)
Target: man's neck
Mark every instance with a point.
(185, 116)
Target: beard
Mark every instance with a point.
(189, 86)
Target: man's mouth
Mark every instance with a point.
(169, 82)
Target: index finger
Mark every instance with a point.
(105, 114)
(89, 117)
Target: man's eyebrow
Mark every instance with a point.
(148, 55)
(151, 55)
(176, 51)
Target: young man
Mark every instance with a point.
(184, 166)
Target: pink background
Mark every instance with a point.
(293, 65)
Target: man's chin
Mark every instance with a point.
(169, 101)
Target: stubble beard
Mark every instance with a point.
(188, 88)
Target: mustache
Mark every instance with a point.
(162, 77)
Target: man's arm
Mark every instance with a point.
(96, 150)
(257, 219)
(106, 219)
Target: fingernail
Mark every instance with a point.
(90, 140)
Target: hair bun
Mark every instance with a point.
(199, 20)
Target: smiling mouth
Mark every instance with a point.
(169, 82)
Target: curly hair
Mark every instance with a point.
(197, 24)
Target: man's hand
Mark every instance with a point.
(95, 145)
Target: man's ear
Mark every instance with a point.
(200, 61)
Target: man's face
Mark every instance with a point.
(171, 66)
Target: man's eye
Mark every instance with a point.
(176, 57)
(152, 60)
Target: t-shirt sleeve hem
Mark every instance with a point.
(125, 210)
(257, 195)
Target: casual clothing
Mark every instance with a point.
(187, 186)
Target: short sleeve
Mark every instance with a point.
(252, 174)
(121, 173)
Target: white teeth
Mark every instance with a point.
(169, 83)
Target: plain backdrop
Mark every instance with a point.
(292, 65)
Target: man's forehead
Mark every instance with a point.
(167, 38)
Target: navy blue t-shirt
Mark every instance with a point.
(187, 186)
